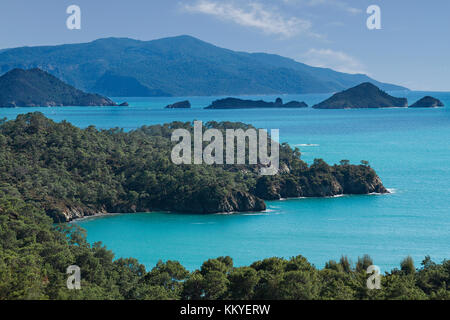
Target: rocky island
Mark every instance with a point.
(234, 103)
(180, 105)
(427, 102)
(37, 88)
(363, 96)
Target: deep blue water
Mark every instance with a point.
(410, 149)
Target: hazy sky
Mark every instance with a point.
(411, 49)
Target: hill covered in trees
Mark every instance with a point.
(37, 88)
(176, 66)
(72, 172)
(48, 167)
(363, 96)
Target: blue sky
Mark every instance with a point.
(411, 49)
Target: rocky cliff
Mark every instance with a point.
(324, 182)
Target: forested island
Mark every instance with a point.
(37, 88)
(179, 105)
(427, 102)
(364, 96)
(235, 103)
(72, 172)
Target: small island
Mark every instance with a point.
(37, 88)
(234, 103)
(363, 96)
(427, 102)
(180, 105)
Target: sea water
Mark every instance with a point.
(409, 148)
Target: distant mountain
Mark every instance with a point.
(122, 86)
(234, 103)
(365, 95)
(31, 88)
(178, 66)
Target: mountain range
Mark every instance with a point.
(177, 66)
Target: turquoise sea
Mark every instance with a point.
(410, 150)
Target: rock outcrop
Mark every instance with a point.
(340, 180)
(234, 103)
(363, 96)
(427, 102)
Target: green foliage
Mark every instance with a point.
(72, 172)
(407, 265)
(34, 255)
(47, 168)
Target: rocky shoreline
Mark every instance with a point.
(268, 188)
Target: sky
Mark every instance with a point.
(412, 48)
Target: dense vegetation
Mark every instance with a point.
(37, 88)
(46, 168)
(34, 256)
(179, 66)
(72, 172)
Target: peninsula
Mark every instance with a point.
(72, 173)
(37, 88)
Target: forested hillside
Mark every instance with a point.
(34, 256)
(49, 169)
(72, 172)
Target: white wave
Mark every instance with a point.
(201, 223)
(307, 145)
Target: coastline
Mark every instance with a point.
(268, 210)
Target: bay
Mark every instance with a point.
(409, 148)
